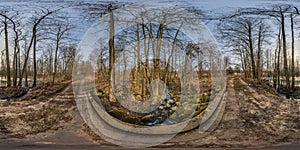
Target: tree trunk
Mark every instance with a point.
(15, 59)
(251, 50)
(258, 71)
(293, 53)
(172, 52)
(27, 56)
(26, 76)
(146, 68)
(138, 58)
(34, 30)
(55, 60)
(111, 53)
(285, 63)
(278, 60)
(7, 54)
(34, 63)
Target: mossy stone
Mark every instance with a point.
(117, 114)
(148, 118)
(132, 120)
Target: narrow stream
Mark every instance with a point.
(297, 84)
(163, 112)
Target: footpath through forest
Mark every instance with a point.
(253, 117)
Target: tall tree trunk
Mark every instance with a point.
(27, 56)
(251, 50)
(157, 67)
(158, 49)
(55, 61)
(19, 63)
(138, 58)
(146, 65)
(34, 63)
(172, 51)
(16, 61)
(285, 63)
(258, 71)
(152, 73)
(16, 47)
(293, 53)
(7, 54)
(278, 60)
(26, 76)
(111, 52)
(15, 73)
(34, 30)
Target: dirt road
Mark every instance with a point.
(252, 118)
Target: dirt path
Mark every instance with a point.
(63, 133)
(250, 119)
(71, 133)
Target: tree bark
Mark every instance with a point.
(258, 71)
(34, 63)
(285, 63)
(251, 50)
(55, 59)
(8, 78)
(293, 53)
(111, 52)
(278, 60)
(138, 58)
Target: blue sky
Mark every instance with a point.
(211, 7)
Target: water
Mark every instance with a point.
(3, 100)
(4, 83)
(282, 80)
(161, 115)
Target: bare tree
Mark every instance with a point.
(240, 35)
(111, 50)
(36, 23)
(10, 20)
(279, 13)
(293, 46)
(61, 31)
(5, 22)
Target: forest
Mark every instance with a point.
(149, 69)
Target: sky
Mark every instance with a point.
(212, 7)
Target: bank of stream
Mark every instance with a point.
(171, 110)
(281, 90)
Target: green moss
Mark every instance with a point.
(117, 114)
(203, 98)
(200, 109)
(148, 118)
(102, 94)
(132, 120)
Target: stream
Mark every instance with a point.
(282, 80)
(161, 114)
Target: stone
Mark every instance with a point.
(148, 118)
(174, 108)
(172, 101)
(132, 120)
(117, 113)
